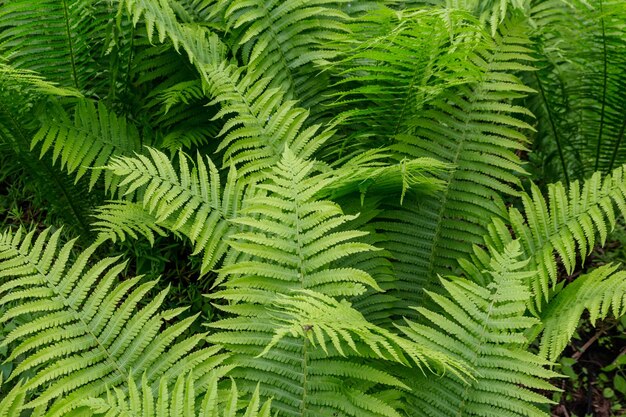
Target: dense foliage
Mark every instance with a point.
(305, 207)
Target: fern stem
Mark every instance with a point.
(305, 374)
(70, 43)
(620, 137)
(559, 145)
(129, 63)
(604, 86)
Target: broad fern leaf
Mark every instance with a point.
(283, 41)
(88, 332)
(189, 200)
(89, 140)
(179, 400)
(473, 127)
(119, 219)
(483, 327)
(568, 223)
(291, 244)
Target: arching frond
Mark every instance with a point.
(581, 45)
(402, 62)
(600, 292)
(290, 238)
(189, 200)
(122, 219)
(88, 331)
(262, 120)
(60, 31)
(18, 95)
(33, 80)
(483, 327)
(568, 224)
(90, 139)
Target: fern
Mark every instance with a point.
(263, 121)
(483, 327)
(291, 245)
(20, 91)
(190, 202)
(602, 291)
(473, 127)
(90, 139)
(582, 102)
(403, 62)
(60, 31)
(181, 402)
(119, 219)
(567, 225)
(282, 41)
(87, 332)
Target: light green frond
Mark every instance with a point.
(402, 62)
(483, 327)
(580, 108)
(262, 120)
(58, 30)
(567, 224)
(89, 140)
(88, 331)
(326, 321)
(122, 219)
(181, 399)
(291, 241)
(32, 80)
(600, 292)
(372, 172)
(186, 199)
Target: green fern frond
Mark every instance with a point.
(179, 400)
(324, 320)
(483, 327)
(291, 242)
(568, 223)
(60, 31)
(12, 77)
(581, 52)
(262, 120)
(119, 219)
(476, 130)
(89, 140)
(371, 172)
(189, 200)
(403, 61)
(283, 41)
(601, 292)
(88, 332)
(63, 198)
(290, 237)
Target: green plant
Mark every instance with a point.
(344, 182)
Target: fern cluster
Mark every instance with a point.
(350, 184)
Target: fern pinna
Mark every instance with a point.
(353, 186)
